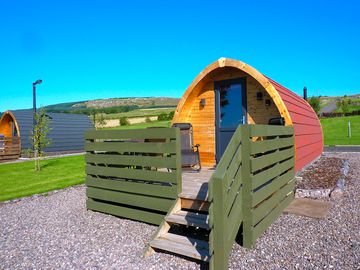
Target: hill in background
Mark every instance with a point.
(328, 104)
(113, 105)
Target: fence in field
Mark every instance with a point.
(9, 148)
(133, 173)
(252, 184)
(338, 114)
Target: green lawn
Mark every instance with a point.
(336, 130)
(20, 180)
(144, 125)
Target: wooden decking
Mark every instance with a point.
(195, 184)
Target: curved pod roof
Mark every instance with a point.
(295, 110)
(66, 130)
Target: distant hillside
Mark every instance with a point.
(113, 105)
(328, 104)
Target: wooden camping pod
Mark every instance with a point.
(277, 101)
(10, 144)
(66, 132)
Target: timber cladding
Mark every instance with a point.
(253, 183)
(265, 99)
(202, 118)
(134, 174)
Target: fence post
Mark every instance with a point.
(219, 258)
(178, 161)
(247, 189)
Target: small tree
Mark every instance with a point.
(163, 116)
(315, 104)
(124, 121)
(99, 120)
(148, 120)
(343, 104)
(171, 115)
(39, 139)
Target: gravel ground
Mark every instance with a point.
(56, 232)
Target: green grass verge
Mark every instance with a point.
(143, 125)
(20, 180)
(336, 130)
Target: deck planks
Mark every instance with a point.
(195, 184)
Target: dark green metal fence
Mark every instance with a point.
(252, 184)
(134, 174)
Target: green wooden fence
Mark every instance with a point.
(134, 174)
(252, 184)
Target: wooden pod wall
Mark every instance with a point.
(276, 101)
(7, 121)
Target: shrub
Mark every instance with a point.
(343, 104)
(163, 117)
(124, 121)
(171, 115)
(148, 120)
(315, 104)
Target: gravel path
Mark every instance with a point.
(56, 232)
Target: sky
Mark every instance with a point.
(101, 49)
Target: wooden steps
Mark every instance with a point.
(183, 245)
(189, 219)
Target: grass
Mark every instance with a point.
(144, 125)
(140, 113)
(352, 108)
(20, 180)
(336, 130)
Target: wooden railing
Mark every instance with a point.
(252, 184)
(9, 148)
(225, 197)
(134, 174)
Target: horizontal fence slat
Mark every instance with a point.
(151, 133)
(137, 160)
(235, 213)
(148, 147)
(265, 223)
(269, 159)
(169, 177)
(131, 213)
(268, 145)
(234, 167)
(134, 187)
(267, 130)
(131, 199)
(270, 188)
(266, 175)
(265, 207)
(232, 194)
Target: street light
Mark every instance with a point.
(34, 107)
(34, 100)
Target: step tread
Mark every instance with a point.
(189, 218)
(182, 245)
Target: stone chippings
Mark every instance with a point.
(56, 232)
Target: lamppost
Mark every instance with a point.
(34, 106)
(34, 100)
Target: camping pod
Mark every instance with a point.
(228, 93)
(66, 132)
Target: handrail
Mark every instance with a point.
(252, 184)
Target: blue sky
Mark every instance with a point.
(99, 49)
